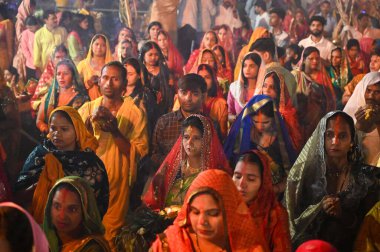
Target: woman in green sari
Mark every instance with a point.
(72, 221)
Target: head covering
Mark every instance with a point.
(285, 107)
(242, 233)
(212, 156)
(228, 43)
(40, 243)
(316, 246)
(108, 56)
(91, 218)
(174, 60)
(85, 140)
(258, 33)
(310, 169)
(238, 91)
(52, 96)
(202, 45)
(323, 79)
(217, 67)
(239, 138)
(357, 98)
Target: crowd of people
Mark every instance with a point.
(246, 126)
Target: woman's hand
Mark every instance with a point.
(92, 81)
(331, 206)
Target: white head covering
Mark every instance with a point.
(370, 141)
(357, 98)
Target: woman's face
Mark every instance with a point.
(192, 141)
(336, 58)
(162, 41)
(337, 138)
(151, 57)
(300, 17)
(64, 76)
(209, 40)
(208, 58)
(132, 75)
(222, 34)
(269, 87)
(262, 123)
(99, 47)
(66, 212)
(62, 133)
(206, 218)
(84, 24)
(312, 61)
(250, 69)
(247, 179)
(7, 75)
(207, 77)
(153, 32)
(124, 34)
(219, 56)
(353, 52)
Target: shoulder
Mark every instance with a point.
(96, 244)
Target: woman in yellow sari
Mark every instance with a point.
(98, 55)
(69, 150)
(259, 32)
(72, 221)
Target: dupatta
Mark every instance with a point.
(267, 212)
(241, 233)
(286, 109)
(91, 222)
(40, 243)
(212, 158)
(52, 96)
(239, 138)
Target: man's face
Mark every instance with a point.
(111, 82)
(316, 28)
(190, 100)
(372, 94)
(325, 8)
(51, 21)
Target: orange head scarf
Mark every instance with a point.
(85, 140)
(242, 233)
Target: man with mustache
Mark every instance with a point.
(364, 107)
(317, 39)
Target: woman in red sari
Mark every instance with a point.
(355, 57)
(253, 179)
(209, 40)
(213, 217)
(173, 57)
(197, 149)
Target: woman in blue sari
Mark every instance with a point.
(260, 126)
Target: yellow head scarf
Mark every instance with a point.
(84, 138)
(258, 33)
(108, 57)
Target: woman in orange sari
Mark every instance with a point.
(209, 40)
(6, 38)
(99, 53)
(253, 179)
(214, 217)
